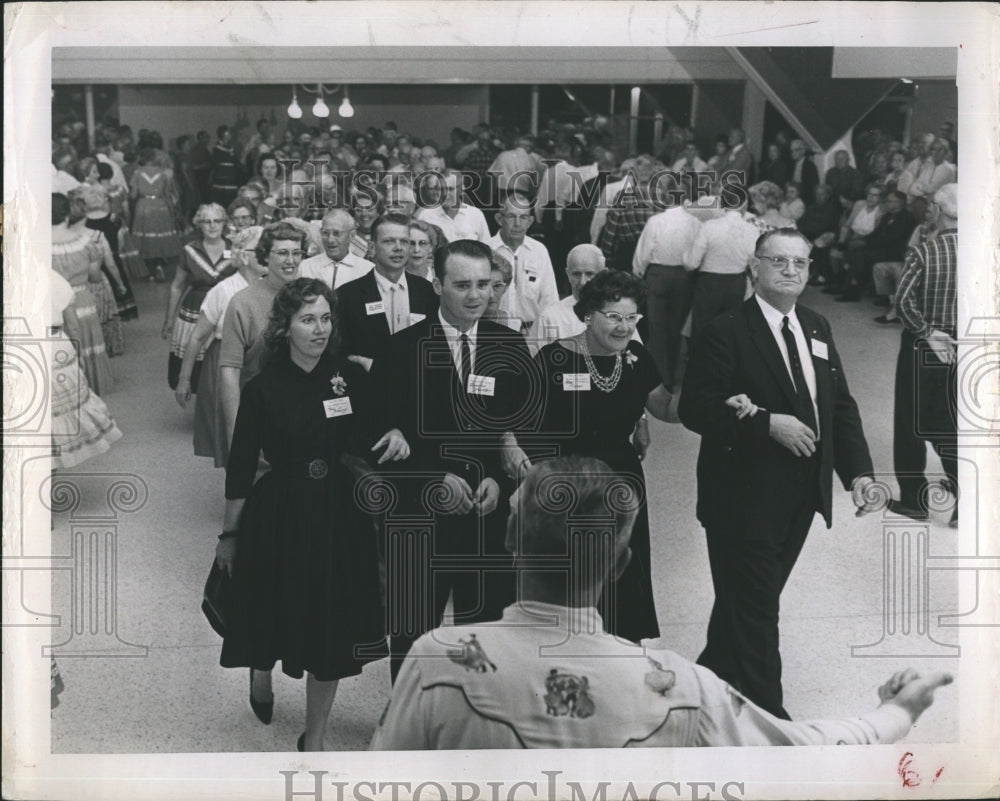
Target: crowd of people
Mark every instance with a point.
(367, 309)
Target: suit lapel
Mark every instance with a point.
(378, 325)
(824, 387)
(763, 339)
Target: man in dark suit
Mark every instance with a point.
(804, 172)
(385, 300)
(454, 385)
(739, 158)
(764, 472)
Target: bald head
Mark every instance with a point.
(583, 264)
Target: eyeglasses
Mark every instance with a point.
(618, 319)
(784, 261)
(287, 254)
(213, 222)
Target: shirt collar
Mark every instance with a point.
(452, 334)
(773, 315)
(538, 613)
(385, 284)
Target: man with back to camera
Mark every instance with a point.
(453, 384)
(763, 476)
(548, 676)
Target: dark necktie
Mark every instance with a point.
(805, 412)
(466, 361)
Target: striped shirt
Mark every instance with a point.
(926, 298)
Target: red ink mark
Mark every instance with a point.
(938, 774)
(909, 776)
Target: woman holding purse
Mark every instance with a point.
(304, 567)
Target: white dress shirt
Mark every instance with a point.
(395, 301)
(774, 322)
(665, 239)
(334, 274)
(454, 338)
(533, 284)
(213, 307)
(469, 223)
(723, 246)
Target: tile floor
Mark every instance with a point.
(176, 698)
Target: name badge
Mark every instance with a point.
(378, 307)
(481, 385)
(819, 349)
(337, 407)
(227, 254)
(416, 318)
(576, 382)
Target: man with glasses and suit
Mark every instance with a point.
(764, 470)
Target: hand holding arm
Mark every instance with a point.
(913, 692)
(512, 458)
(457, 495)
(486, 497)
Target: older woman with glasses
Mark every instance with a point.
(204, 262)
(594, 387)
(424, 242)
(210, 433)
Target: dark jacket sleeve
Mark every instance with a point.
(244, 453)
(851, 457)
(710, 379)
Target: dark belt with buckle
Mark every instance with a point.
(316, 469)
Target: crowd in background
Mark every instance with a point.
(219, 218)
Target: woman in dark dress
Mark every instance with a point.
(595, 387)
(304, 568)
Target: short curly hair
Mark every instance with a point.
(290, 298)
(277, 232)
(768, 192)
(609, 286)
(208, 208)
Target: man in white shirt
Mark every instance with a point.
(336, 265)
(533, 286)
(689, 160)
(456, 218)
(548, 676)
(720, 253)
(519, 165)
(659, 260)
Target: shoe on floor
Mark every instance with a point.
(883, 320)
(899, 508)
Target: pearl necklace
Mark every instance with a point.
(603, 383)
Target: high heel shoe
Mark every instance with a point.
(264, 710)
(301, 742)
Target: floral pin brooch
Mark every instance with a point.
(630, 358)
(339, 385)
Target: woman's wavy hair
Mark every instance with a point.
(277, 232)
(609, 286)
(206, 209)
(290, 298)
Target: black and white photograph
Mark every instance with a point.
(510, 381)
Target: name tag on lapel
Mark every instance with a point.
(416, 318)
(481, 385)
(576, 382)
(819, 349)
(337, 407)
(378, 307)
(227, 254)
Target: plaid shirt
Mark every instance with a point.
(622, 232)
(926, 298)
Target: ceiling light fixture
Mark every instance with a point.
(294, 109)
(319, 109)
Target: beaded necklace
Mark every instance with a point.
(603, 383)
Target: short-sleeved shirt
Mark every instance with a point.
(469, 223)
(323, 268)
(213, 307)
(243, 329)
